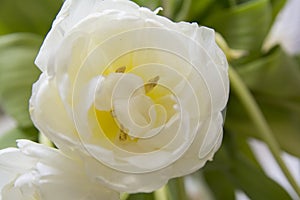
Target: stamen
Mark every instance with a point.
(113, 114)
(151, 84)
(123, 136)
(121, 69)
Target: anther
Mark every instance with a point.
(121, 69)
(151, 84)
(113, 114)
(123, 136)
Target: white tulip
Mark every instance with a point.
(138, 96)
(37, 172)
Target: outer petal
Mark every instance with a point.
(40, 173)
(204, 146)
(8, 171)
(72, 13)
(49, 113)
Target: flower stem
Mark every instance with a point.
(176, 189)
(44, 140)
(182, 191)
(162, 193)
(259, 120)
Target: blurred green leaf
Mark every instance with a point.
(219, 184)
(241, 143)
(243, 26)
(202, 10)
(275, 83)
(9, 138)
(141, 196)
(172, 7)
(240, 1)
(33, 16)
(276, 75)
(199, 9)
(297, 58)
(283, 119)
(254, 182)
(153, 4)
(277, 5)
(237, 170)
(17, 74)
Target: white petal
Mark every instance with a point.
(103, 95)
(38, 172)
(45, 103)
(212, 138)
(72, 13)
(8, 166)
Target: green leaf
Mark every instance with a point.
(33, 16)
(9, 138)
(240, 1)
(243, 26)
(277, 5)
(241, 143)
(199, 9)
(276, 75)
(149, 4)
(248, 175)
(282, 118)
(172, 7)
(274, 81)
(141, 196)
(254, 182)
(17, 74)
(237, 170)
(219, 184)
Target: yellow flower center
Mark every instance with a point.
(148, 107)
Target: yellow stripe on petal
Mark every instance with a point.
(108, 124)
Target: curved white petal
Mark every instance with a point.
(193, 159)
(49, 113)
(38, 172)
(72, 13)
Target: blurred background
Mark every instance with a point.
(262, 44)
